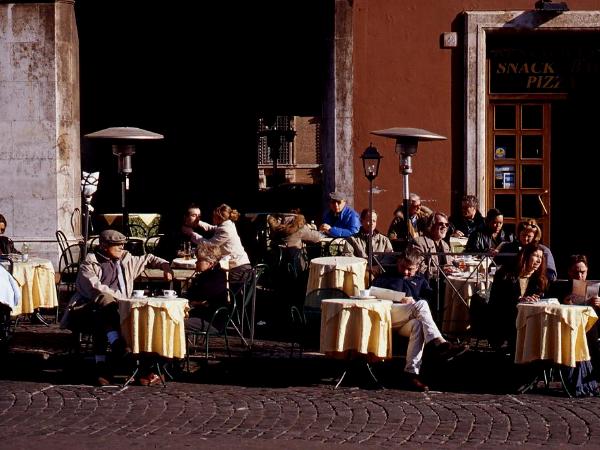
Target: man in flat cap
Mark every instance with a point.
(340, 220)
(106, 276)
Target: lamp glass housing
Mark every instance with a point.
(371, 159)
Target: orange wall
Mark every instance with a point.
(403, 78)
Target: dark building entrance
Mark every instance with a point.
(200, 73)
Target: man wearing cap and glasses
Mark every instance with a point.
(340, 220)
(106, 276)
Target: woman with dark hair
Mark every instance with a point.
(6, 245)
(225, 235)
(489, 238)
(524, 281)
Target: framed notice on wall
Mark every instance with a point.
(508, 181)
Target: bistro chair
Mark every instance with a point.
(198, 331)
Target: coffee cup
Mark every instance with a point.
(169, 293)
(364, 293)
(138, 293)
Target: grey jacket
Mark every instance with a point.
(431, 262)
(88, 285)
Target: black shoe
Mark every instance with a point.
(412, 382)
(448, 351)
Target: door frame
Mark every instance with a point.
(477, 25)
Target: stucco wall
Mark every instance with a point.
(404, 78)
(39, 122)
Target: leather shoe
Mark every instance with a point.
(448, 351)
(413, 383)
(103, 376)
(150, 380)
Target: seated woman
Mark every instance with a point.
(6, 245)
(528, 232)
(208, 288)
(226, 237)
(523, 281)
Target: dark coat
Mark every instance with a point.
(416, 287)
(7, 246)
(466, 226)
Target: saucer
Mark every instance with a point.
(358, 297)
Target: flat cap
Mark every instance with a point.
(112, 237)
(337, 196)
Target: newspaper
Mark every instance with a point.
(387, 294)
(584, 290)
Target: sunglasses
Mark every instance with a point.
(442, 224)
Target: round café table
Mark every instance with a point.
(346, 273)
(37, 282)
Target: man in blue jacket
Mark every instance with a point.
(340, 220)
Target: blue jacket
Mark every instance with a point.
(344, 225)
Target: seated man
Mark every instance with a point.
(340, 220)
(6, 245)
(415, 317)
(106, 276)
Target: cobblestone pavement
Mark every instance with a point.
(273, 401)
(185, 414)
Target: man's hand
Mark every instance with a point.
(168, 275)
(407, 301)
(325, 227)
(458, 233)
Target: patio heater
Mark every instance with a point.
(370, 160)
(123, 141)
(407, 140)
(89, 186)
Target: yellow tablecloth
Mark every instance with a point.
(457, 300)
(37, 282)
(360, 326)
(553, 332)
(154, 325)
(343, 272)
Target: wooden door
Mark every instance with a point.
(518, 162)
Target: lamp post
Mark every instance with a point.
(407, 140)
(89, 186)
(123, 141)
(370, 160)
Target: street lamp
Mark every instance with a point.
(370, 160)
(89, 186)
(123, 145)
(407, 140)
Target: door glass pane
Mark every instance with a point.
(532, 176)
(505, 117)
(507, 204)
(504, 146)
(532, 146)
(531, 206)
(532, 117)
(504, 177)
